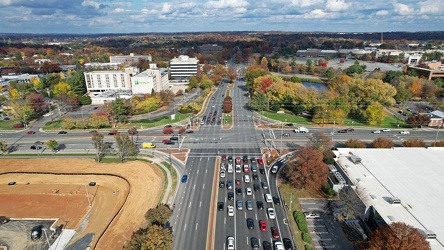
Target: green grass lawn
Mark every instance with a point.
(228, 119)
(287, 118)
(147, 124)
(7, 125)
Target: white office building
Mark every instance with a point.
(130, 59)
(153, 79)
(182, 68)
(110, 80)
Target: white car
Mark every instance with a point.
(376, 131)
(278, 245)
(222, 174)
(238, 169)
(230, 210)
(311, 215)
(230, 242)
(246, 178)
(386, 130)
(404, 132)
(248, 190)
(230, 168)
(271, 213)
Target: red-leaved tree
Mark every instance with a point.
(308, 171)
(397, 236)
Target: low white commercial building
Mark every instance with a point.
(399, 185)
(153, 79)
(130, 59)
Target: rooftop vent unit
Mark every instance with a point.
(429, 234)
(332, 168)
(355, 159)
(395, 200)
(373, 197)
(391, 218)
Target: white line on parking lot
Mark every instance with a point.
(200, 203)
(194, 187)
(203, 187)
(185, 227)
(197, 225)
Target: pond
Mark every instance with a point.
(317, 86)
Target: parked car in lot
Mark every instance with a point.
(264, 185)
(238, 191)
(256, 187)
(222, 174)
(278, 245)
(248, 191)
(230, 184)
(261, 170)
(311, 215)
(221, 184)
(404, 132)
(36, 232)
(238, 182)
(260, 161)
(246, 178)
(230, 196)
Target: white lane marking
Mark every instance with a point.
(185, 227)
(200, 203)
(203, 187)
(197, 225)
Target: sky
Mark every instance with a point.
(131, 16)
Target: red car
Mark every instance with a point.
(263, 225)
(275, 232)
(165, 140)
(238, 160)
(260, 161)
(224, 157)
(31, 132)
(238, 182)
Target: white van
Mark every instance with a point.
(268, 198)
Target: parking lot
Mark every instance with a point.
(325, 231)
(16, 235)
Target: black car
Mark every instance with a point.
(221, 184)
(33, 147)
(276, 200)
(168, 126)
(261, 170)
(230, 196)
(36, 232)
(245, 159)
(238, 191)
(342, 131)
(174, 138)
(250, 223)
(253, 160)
(230, 184)
(230, 158)
(267, 245)
(287, 244)
(255, 177)
(63, 132)
(254, 243)
(189, 131)
(260, 205)
(256, 187)
(169, 142)
(220, 206)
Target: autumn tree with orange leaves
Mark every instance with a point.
(308, 171)
(397, 236)
(416, 88)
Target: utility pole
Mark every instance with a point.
(437, 133)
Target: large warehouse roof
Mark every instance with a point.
(413, 175)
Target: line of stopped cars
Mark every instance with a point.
(247, 192)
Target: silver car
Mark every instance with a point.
(239, 205)
(249, 205)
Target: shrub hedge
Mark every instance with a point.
(306, 237)
(300, 220)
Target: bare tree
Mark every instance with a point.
(125, 146)
(100, 146)
(133, 131)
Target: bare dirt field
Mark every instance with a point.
(119, 201)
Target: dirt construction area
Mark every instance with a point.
(59, 189)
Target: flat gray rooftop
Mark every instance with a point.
(414, 175)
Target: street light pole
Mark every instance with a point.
(437, 133)
(87, 196)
